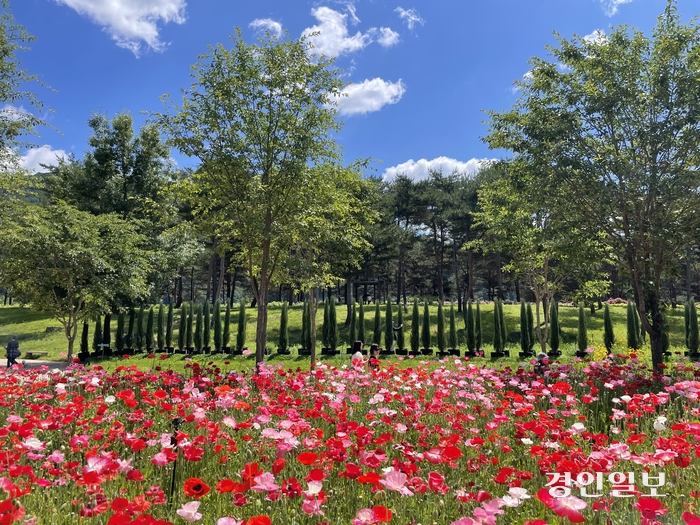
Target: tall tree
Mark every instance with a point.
(693, 338)
(453, 328)
(218, 340)
(425, 332)
(161, 327)
(400, 334)
(283, 344)
(617, 133)
(415, 328)
(388, 327)
(441, 340)
(554, 329)
(119, 336)
(469, 328)
(377, 331)
(352, 331)
(241, 333)
(257, 116)
(608, 332)
(169, 326)
(582, 335)
(524, 329)
(149, 329)
(361, 324)
(332, 325)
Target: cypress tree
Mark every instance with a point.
(169, 326)
(425, 333)
(226, 338)
(97, 335)
(284, 329)
(149, 329)
(608, 332)
(478, 334)
(377, 333)
(206, 333)
(638, 326)
(306, 342)
(415, 328)
(693, 327)
(400, 340)
(441, 342)
(182, 328)
(686, 317)
(119, 336)
(84, 349)
(554, 327)
(453, 328)
(631, 326)
(389, 328)
(352, 332)
(190, 321)
(497, 341)
(161, 327)
(198, 329)
(304, 326)
(332, 325)
(469, 328)
(361, 324)
(140, 329)
(325, 328)
(504, 338)
(240, 335)
(107, 331)
(532, 336)
(218, 339)
(524, 329)
(129, 341)
(582, 337)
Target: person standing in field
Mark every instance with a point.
(13, 351)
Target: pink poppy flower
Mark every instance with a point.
(265, 482)
(395, 480)
(188, 512)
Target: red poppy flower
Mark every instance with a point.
(225, 485)
(278, 466)
(195, 488)
(382, 514)
(259, 520)
(307, 458)
(650, 507)
(690, 519)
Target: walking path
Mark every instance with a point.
(37, 363)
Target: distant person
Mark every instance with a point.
(374, 356)
(13, 351)
(541, 365)
(357, 358)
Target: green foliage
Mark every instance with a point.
(129, 340)
(554, 329)
(524, 328)
(478, 334)
(240, 334)
(377, 329)
(218, 336)
(141, 329)
(84, 345)
(469, 328)
(198, 328)
(582, 335)
(415, 328)
(361, 324)
(188, 325)
(169, 326)
(400, 336)
(686, 317)
(502, 324)
(498, 343)
(325, 328)
(388, 326)
(352, 331)
(306, 326)
(227, 325)
(206, 328)
(532, 337)
(107, 330)
(453, 328)
(441, 342)
(284, 329)
(182, 331)
(119, 336)
(149, 329)
(161, 326)
(425, 332)
(632, 326)
(97, 335)
(608, 332)
(332, 325)
(693, 327)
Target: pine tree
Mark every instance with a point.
(441, 342)
(415, 328)
(425, 333)
(149, 329)
(361, 324)
(582, 337)
(182, 328)
(532, 336)
(554, 327)
(400, 339)
(240, 335)
(693, 327)
(190, 322)
(608, 332)
(97, 335)
(129, 341)
(107, 331)
(227, 326)
(325, 328)
(497, 341)
(218, 339)
(524, 329)
(161, 326)
(206, 332)
(140, 329)
(377, 333)
(198, 329)
(284, 329)
(478, 334)
(84, 348)
(332, 325)
(119, 336)
(469, 328)
(352, 332)
(169, 326)
(453, 328)
(389, 326)
(631, 326)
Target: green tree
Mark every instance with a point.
(425, 332)
(352, 331)
(554, 328)
(441, 342)
(686, 319)
(377, 329)
(469, 328)
(306, 341)
(415, 328)
(326, 327)
(502, 324)
(284, 329)
(227, 325)
(693, 342)
(188, 325)
(97, 335)
(453, 328)
(361, 324)
(169, 326)
(608, 332)
(530, 327)
(240, 334)
(524, 329)
(617, 133)
(84, 345)
(141, 329)
(119, 336)
(257, 116)
(332, 325)
(478, 334)
(400, 336)
(206, 328)
(107, 330)
(388, 326)
(161, 327)
(218, 340)
(129, 340)
(582, 335)
(71, 264)
(182, 329)
(498, 343)
(198, 325)
(632, 332)
(149, 329)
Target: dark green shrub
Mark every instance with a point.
(400, 338)
(608, 332)
(693, 327)
(141, 329)
(554, 327)
(107, 331)
(453, 328)
(149, 329)
(84, 344)
(119, 336)
(441, 342)
(218, 336)
(582, 336)
(169, 326)
(198, 329)
(361, 324)
(284, 329)
(190, 322)
(478, 333)
(325, 327)
(469, 327)
(160, 341)
(332, 325)
(352, 331)
(497, 332)
(389, 326)
(426, 337)
(206, 327)
(524, 329)
(182, 328)
(240, 334)
(377, 332)
(97, 335)
(226, 338)
(532, 337)
(415, 328)
(129, 341)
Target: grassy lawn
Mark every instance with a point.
(30, 328)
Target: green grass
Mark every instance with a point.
(30, 328)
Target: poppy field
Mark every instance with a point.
(450, 442)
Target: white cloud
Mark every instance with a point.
(334, 39)
(597, 37)
(370, 95)
(35, 157)
(420, 170)
(411, 16)
(131, 23)
(267, 24)
(387, 37)
(611, 6)
(353, 14)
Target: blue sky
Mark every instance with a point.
(422, 72)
